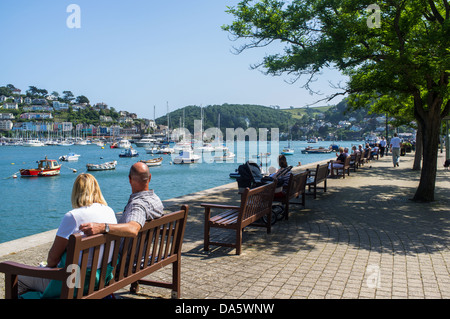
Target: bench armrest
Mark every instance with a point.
(13, 268)
(219, 206)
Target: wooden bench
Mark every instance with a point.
(354, 160)
(295, 188)
(255, 204)
(345, 167)
(365, 158)
(316, 177)
(159, 243)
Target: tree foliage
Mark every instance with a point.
(230, 116)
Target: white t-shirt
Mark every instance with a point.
(395, 142)
(96, 213)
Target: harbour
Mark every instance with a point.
(33, 205)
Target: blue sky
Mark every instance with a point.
(137, 54)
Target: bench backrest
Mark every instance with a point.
(321, 173)
(357, 158)
(158, 242)
(256, 203)
(347, 162)
(297, 183)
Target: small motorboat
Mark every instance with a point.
(320, 150)
(129, 152)
(101, 167)
(45, 168)
(186, 157)
(153, 161)
(33, 143)
(69, 157)
(113, 145)
(235, 174)
(126, 144)
(146, 141)
(226, 156)
(65, 143)
(287, 151)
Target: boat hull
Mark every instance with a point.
(101, 167)
(39, 172)
(153, 162)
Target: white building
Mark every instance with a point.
(6, 116)
(6, 125)
(10, 106)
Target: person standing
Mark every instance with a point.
(395, 145)
(383, 144)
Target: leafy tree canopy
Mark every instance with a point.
(396, 49)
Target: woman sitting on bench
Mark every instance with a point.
(88, 206)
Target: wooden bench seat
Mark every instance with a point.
(316, 177)
(354, 160)
(255, 204)
(159, 242)
(295, 188)
(345, 167)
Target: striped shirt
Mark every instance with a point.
(142, 206)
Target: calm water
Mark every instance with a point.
(33, 205)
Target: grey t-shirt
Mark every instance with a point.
(141, 207)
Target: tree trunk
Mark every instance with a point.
(430, 123)
(418, 154)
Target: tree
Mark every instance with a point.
(396, 49)
(68, 96)
(32, 91)
(82, 99)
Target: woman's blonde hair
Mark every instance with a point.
(86, 191)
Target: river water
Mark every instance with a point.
(33, 205)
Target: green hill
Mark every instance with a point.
(297, 113)
(231, 116)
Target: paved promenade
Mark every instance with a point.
(363, 238)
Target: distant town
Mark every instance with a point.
(38, 113)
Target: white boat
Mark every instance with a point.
(151, 150)
(204, 148)
(101, 167)
(165, 150)
(69, 157)
(287, 151)
(65, 143)
(129, 152)
(81, 142)
(145, 142)
(220, 148)
(227, 155)
(33, 143)
(153, 161)
(51, 143)
(124, 144)
(186, 156)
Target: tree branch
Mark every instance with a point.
(435, 11)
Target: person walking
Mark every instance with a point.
(395, 145)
